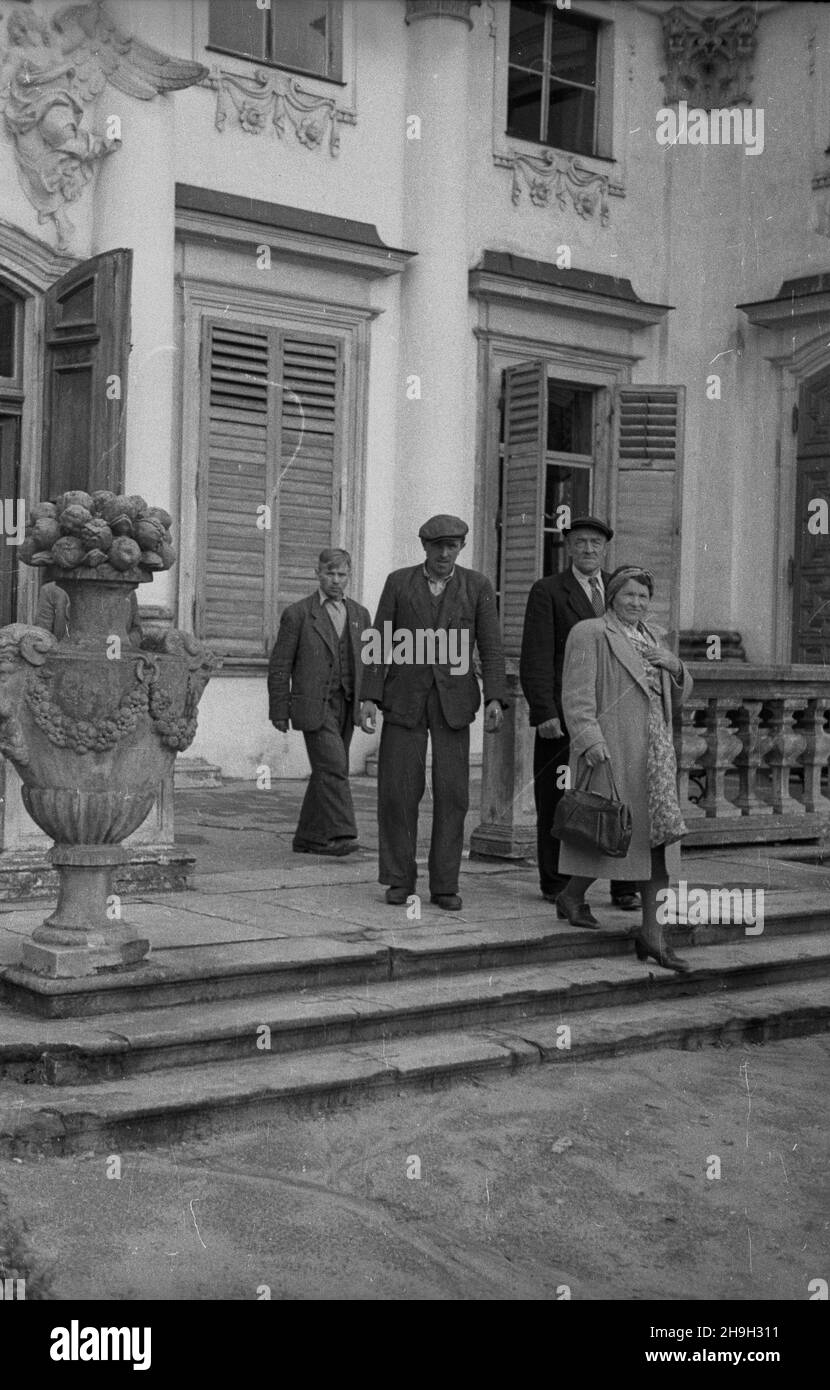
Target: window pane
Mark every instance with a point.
(527, 36)
(571, 119)
(238, 25)
(8, 326)
(300, 30)
(524, 105)
(569, 487)
(573, 51)
(569, 419)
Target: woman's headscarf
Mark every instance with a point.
(621, 576)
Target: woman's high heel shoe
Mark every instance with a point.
(662, 954)
(578, 914)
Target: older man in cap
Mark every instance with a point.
(423, 694)
(555, 605)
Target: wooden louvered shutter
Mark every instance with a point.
(649, 464)
(311, 373)
(272, 437)
(239, 450)
(525, 417)
(87, 343)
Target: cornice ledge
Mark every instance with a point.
(33, 263)
(373, 262)
(490, 286)
(797, 302)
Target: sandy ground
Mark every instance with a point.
(589, 1183)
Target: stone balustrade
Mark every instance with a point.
(752, 745)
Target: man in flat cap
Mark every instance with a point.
(314, 680)
(555, 605)
(428, 688)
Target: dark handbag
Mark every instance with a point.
(589, 821)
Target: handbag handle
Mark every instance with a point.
(586, 773)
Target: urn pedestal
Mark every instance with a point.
(93, 724)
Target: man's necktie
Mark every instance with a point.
(337, 613)
(596, 596)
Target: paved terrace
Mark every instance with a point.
(249, 886)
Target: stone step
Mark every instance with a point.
(68, 1052)
(186, 1102)
(194, 975)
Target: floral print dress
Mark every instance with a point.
(661, 773)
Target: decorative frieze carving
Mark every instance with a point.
(272, 98)
(561, 178)
(51, 72)
(448, 9)
(709, 59)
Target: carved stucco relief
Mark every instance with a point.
(51, 73)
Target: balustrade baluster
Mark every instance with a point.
(811, 726)
(749, 760)
(782, 749)
(722, 747)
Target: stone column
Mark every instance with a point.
(435, 473)
(135, 207)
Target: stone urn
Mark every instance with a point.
(93, 723)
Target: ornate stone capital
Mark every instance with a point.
(51, 73)
(272, 98)
(563, 178)
(446, 9)
(709, 58)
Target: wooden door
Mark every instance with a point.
(811, 552)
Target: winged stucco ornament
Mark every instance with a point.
(52, 71)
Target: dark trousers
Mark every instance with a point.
(327, 811)
(401, 784)
(550, 755)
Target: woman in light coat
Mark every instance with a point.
(619, 687)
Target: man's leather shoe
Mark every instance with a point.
(629, 902)
(578, 914)
(449, 901)
(396, 897)
(336, 849)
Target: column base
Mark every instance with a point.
(503, 842)
(64, 962)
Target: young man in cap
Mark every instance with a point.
(424, 697)
(314, 680)
(555, 605)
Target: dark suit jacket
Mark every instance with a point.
(469, 605)
(300, 668)
(554, 606)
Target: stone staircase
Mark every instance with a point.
(219, 1036)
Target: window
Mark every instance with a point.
(272, 429)
(303, 35)
(568, 465)
(553, 71)
(11, 406)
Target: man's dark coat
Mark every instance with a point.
(467, 604)
(554, 606)
(300, 668)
